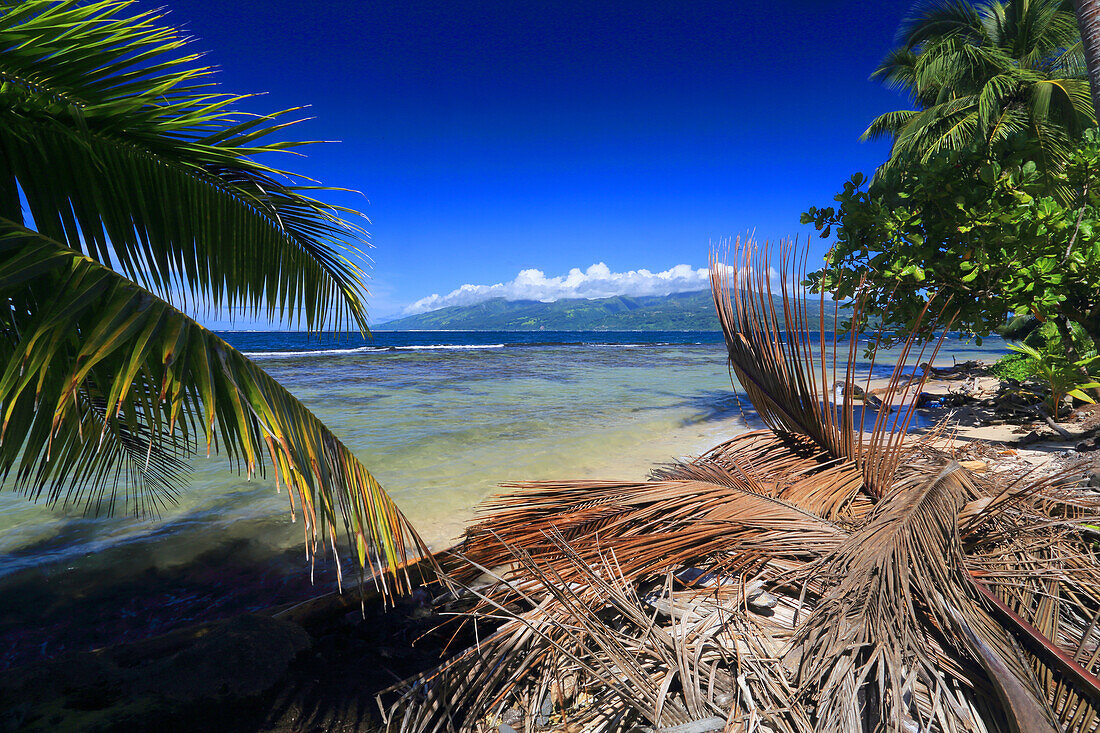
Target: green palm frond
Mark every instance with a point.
(994, 20)
(1000, 58)
(930, 20)
(1011, 122)
(1071, 101)
(1059, 31)
(1040, 99)
(897, 70)
(116, 139)
(959, 134)
(124, 467)
(1069, 62)
(953, 68)
(888, 124)
(938, 128)
(90, 356)
(993, 97)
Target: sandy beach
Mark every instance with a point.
(965, 409)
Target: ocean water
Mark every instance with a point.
(441, 418)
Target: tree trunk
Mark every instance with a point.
(1088, 21)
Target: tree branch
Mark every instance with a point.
(1080, 216)
(1065, 434)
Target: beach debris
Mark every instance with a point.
(813, 576)
(857, 393)
(703, 725)
(926, 400)
(546, 709)
(695, 577)
(758, 598)
(513, 716)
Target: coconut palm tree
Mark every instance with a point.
(981, 74)
(128, 188)
(1088, 22)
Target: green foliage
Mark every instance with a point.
(144, 188)
(981, 232)
(1018, 328)
(123, 150)
(1019, 367)
(1061, 375)
(983, 73)
(1042, 355)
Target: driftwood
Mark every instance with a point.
(1062, 432)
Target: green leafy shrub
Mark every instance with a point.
(1015, 366)
(983, 230)
(1062, 376)
(1018, 328)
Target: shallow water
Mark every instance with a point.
(440, 418)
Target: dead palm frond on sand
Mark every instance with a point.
(815, 576)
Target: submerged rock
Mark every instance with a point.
(132, 686)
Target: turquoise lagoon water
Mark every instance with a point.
(441, 418)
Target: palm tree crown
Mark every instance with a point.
(127, 185)
(981, 74)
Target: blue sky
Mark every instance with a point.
(490, 138)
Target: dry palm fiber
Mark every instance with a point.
(810, 577)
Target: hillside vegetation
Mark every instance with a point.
(676, 312)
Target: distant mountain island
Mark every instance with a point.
(676, 312)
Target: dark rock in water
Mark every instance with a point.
(310, 666)
(241, 657)
(127, 594)
(132, 686)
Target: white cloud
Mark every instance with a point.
(598, 281)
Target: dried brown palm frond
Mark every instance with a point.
(787, 377)
(598, 652)
(789, 467)
(772, 355)
(896, 595)
(812, 577)
(651, 526)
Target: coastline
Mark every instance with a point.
(312, 658)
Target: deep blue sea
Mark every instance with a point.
(440, 418)
(268, 344)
